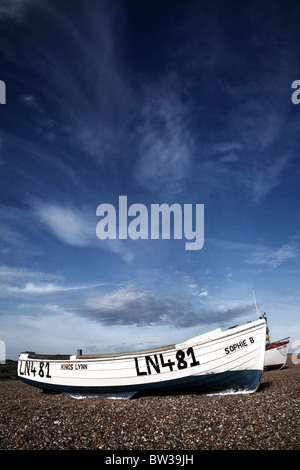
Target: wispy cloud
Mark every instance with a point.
(98, 115)
(203, 294)
(263, 177)
(87, 106)
(273, 258)
(16, 281)
(15, 240)
(10, 273)
(75, 227)
(242, 148)
(32, 288)
(49, 288)
(166, 144)
(13, 9)
(70, 225)
(260, 254)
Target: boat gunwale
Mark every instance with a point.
(125, 353)
(278, 344)
(67, 357)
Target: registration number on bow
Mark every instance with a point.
(156, 362)
(30, 368)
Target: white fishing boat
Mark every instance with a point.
(219, 361)
(276, 354)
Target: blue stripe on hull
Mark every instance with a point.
(234, 381)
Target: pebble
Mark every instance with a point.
(265, 420)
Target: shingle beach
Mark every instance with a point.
(268, 419)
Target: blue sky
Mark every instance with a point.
(164, 102)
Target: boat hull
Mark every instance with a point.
(276, 354)
(226, 382)
(219, 361)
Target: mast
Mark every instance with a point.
(264, 315)
(255, 303)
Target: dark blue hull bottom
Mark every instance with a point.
(231, 381)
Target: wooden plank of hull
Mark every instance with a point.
(230, 360)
